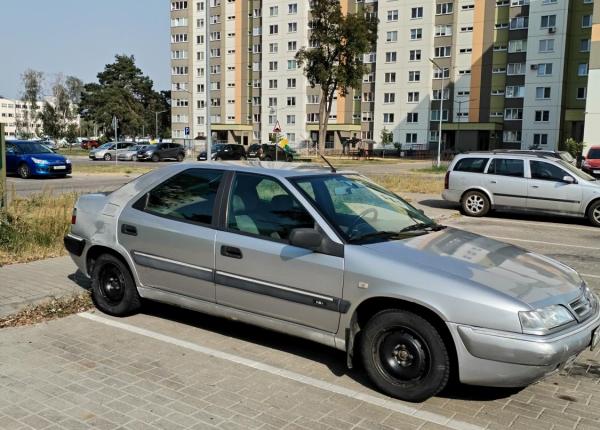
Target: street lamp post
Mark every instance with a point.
(441, 112)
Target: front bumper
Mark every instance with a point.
(52, 169)
(144, 156)
(503, 359)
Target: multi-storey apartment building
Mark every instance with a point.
(13, 114)
(499, 73)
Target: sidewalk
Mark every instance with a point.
(28, 283)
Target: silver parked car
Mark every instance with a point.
(131, 153)
(334, 258)
(108, 151)
(531, 182)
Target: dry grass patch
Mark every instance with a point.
(110, 168)
(412, 183)
(57, 307)
(33, 228)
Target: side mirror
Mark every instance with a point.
(568, 179)
(307, 238)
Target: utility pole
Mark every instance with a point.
(439, 150)
(115, 123)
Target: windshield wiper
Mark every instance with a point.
(422, 226)
(376, 235)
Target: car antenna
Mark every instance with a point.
(333, 169)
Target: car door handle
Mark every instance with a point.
(231, 252)
(129, 229)
(535, 186)
(492, 182)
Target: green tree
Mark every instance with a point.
(334, 62)
(125, 92)
(32, 88)
(387, 137)
(51, 121)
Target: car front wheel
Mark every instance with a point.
(155, 158)
(180, 157)
(24, 171)
(594, 214)
(107, 157)
(113, 288)
(404, 355)
(475, 203)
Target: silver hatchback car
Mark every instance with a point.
(334, 258)
(481, 181)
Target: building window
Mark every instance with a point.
(444, 8)
(388, 97)
(436, 94)
(273, 66)
(292, 27)
(542, 115)
(519, 45)
(416, 33)
(293, 8)
(582, 69)
(581, 93)
(414, 55)
(273, 29)
(515, 69)
(543, 93)
(273, 10)
(513, 114)
(273, 48)
(546, 45)
(412, 117)
(391, 36)
(441, 74)
(388, 118)
(544, 69)
(390, 77)
(292, 64)
(511, 136)
(515, 91)
(392, 15)
(584, 45)
(291, 101)
(413, 97)
(519, 22)
(540, 139)
(414, 76)
(292, 45)
(291, 83)
(548, 21)
(442, 51)
(416, 12)
(586, 21)
(435, 115)
(390, 57)
(411, 137)
(272, 84)
(291, 119)
(443, 30)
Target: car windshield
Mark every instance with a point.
(594, 153)
(137, 147)
(34, 148)
(150, 147)
(361, 211)
(218, 147)
(575, 171)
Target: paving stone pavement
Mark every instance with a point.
(28, 283)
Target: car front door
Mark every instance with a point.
(169, 233)
(547, 190)
(257, 269)
(505, 179)
(12, 156)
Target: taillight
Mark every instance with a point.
(447, 180)
(74, 216)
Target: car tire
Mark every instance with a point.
(107, 157)
(475, 204)
(155, 158)
(289, 158)
(24, 171)
(113, 289)
(404, 355)
(134, 158)
(268, 158)
(180, 157)
(594, 213)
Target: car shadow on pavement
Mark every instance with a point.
(80, 279)
(335, 360)
(437, 204)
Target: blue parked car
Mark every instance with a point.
(30, 158)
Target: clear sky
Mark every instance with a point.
(79, 37)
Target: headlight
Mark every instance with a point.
(148, 152)
(68, 161)
(541, 321)
(38, 161)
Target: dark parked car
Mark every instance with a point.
(266, 152)
(161, 151)
(225, 151)
(30, 158)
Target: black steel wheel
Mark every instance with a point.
(113, 288)
(404, 355)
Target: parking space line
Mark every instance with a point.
(587, 275)
(595, 248)
(549, 224)
(392, 405)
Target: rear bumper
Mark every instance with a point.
(451, 195)
(502, 359)
(74, 244)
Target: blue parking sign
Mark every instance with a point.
(187, 131)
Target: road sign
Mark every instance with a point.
(277, 128)
(186, 131)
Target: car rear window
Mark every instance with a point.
(506, 167)
(594, 153)
(475, 165)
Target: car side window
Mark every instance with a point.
(187, 196)
(471, 164)
(261, 206)
(10, 149)
(546, 171)
(507, 167)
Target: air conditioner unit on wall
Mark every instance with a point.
(551, 29)
(534, 67)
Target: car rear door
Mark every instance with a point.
(169, 233)
(547, 191)
(505, 179)
(257, 270)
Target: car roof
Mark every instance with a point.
(515, 153)
(277, 169)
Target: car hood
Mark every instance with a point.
(533, 279)
(56, 158)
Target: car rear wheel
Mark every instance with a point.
(180, 157)
(113, 288)
(24, 171)
(594, 214)
(475, 203)
(404, 355)
(107, 157)
(268, 158)
(155, 158)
